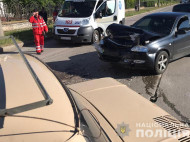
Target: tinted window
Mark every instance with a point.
(144, 23)
(182, 8)
(99, 3)
(102, 9)
(107, 8)
(157, 24)
(183, 23)
(110, 9)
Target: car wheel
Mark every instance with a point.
(161, 62)
(95, 36)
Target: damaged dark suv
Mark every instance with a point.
(151, 42)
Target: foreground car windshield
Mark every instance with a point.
(157, 24)
(77, 9)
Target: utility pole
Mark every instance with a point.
(158, 3)
(139, 5)
(1, 29)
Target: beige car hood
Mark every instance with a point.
(17, 88)
(121, 105)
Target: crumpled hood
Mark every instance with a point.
(121, 105)
(130, 36)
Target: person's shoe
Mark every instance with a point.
(38, 53)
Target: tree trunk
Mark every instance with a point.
(1, 29)
(139, 5)
(158, 3)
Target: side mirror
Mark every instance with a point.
(180, 32)
(98, 15)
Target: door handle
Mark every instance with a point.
(114, 18)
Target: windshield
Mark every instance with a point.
(77, 9)
(182, 8)
(156, 24)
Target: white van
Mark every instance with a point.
(82, 21)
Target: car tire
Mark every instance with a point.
(95, 36)
(161, 63)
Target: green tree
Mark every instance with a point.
(42, 3)
(158, 3)
(130, 3)
(22, 9)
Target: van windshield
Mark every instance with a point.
(82, 8)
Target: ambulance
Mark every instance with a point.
(85, 21)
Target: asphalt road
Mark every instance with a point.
(131, 20)
(77, 63)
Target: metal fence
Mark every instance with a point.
(16, 10)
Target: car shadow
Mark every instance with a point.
(51, 43)
(89, 66)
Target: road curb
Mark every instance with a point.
(10, 48)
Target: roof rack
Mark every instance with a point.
(47, 99)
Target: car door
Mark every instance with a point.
(182, 41)
(106, 14)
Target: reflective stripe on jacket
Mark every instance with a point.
(38, 24)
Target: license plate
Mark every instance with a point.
(66, 38)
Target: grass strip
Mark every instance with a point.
(22, 35)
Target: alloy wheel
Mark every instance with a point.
(162, 62)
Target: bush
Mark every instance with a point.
(151, 4)
(148, 4)
(130, 3)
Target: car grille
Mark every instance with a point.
(170, 124)
(60, 31)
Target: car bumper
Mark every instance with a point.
(84, 35)
(135, 59)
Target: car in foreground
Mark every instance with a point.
(184, 1)
(185, 7)
(35, 106)
(152, 42)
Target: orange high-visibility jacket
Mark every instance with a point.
(38, 24)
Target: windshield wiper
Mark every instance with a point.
(27, 107)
